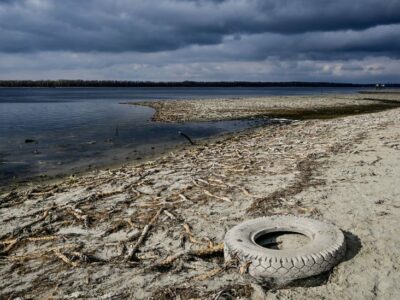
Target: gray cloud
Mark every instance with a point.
(199, 38)
(147, 26)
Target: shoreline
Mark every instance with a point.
(28, 182)
(342, 170)
(166, 111)
(309, 107)
(84, 170)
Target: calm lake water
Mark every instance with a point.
(59, 131)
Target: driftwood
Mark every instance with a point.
(132, 250)
(217, 197)
(41, 253)
(219, 248)
(78, 214)
(186, 137)
(64, 258)
(170, 215)
(188, 233)
(183, 185)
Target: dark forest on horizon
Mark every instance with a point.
(166, 84)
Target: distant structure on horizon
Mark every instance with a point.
(379, 86)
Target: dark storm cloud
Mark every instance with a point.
(343, 40)
(166, 25)
(377, 41)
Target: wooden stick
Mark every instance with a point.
(194, 182)
(31, 239)
(132, 251)
(78, 214)
(43, 238)
(218, 248)
(64, 258)
(40, 253)
(170, 215)
(203, 181)
(217, 197)
(11, 245)
(183, 197)
(187, 137)
(161, 203)
(207, 275)
(245, 191)
(189, 233)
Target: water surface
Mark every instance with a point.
(47, 131)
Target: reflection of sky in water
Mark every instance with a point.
(78, 127)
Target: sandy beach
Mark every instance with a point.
(154, 230)
(294, 107)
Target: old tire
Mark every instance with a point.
(325, 249)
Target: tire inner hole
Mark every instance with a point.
(281, 240)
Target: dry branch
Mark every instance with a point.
(64, 258)
(132, 250)
(188, 232)
(217, 197)
(170, 215)
(40, 253)
(183, 197)
(78, 214)
(219, 248)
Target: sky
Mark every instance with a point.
(204, 40)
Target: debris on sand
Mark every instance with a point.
(155, 229)
(288, 107)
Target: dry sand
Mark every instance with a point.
(73, 239)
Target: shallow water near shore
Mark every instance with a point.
(59, 131)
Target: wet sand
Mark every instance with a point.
(154, 230)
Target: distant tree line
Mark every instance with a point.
(165, 84)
